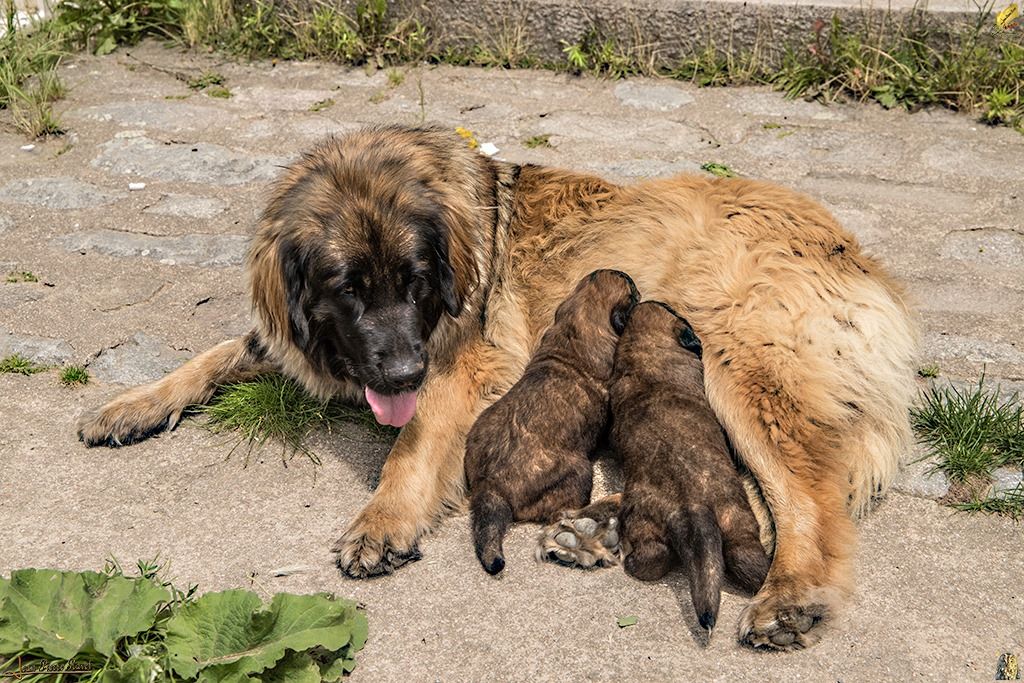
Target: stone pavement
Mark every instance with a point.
(131, 282)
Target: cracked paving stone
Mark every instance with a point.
(952, 346)
(987, 246)
(138, 360)
(193, 162)
(919, 479)
(187, 206)
(57, 193)
(646, 168)
(44, 350)
(865, 225)
(17, 295)
(1006, 479)
(170, 115)
(199, 250)
(654, 97)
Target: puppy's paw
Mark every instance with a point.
(776, 624)
(374, 546)
(580, 542)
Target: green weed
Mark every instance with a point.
(395, 78)
(218, 91)
(142, 627)
(100, 26)
(322, 104)
(29, 83)
(600, 56)
(928, 371)
(535, 141)
(273, 408)
(205, 80)
(21, 276)
(720, 170)
(16, 364)
(73, 376)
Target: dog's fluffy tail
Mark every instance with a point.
(492, 516)
(696, 538)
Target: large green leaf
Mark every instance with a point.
(295, 667)
(62, 614)
(138, 669)
(228, 636)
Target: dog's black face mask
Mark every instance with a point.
(367, 315)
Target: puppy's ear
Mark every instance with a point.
(688, 339)
(620, 316)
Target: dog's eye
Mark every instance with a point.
(348, 289)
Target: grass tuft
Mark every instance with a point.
(73, 376)
(29, 84)
(322, 104)
(1009, 504)
(720, 170)
(970, 433)
(535, 141)
(928, 371)
(16, 364)
(205, 80)
(274, 408)
(218, 91)
(21, 276)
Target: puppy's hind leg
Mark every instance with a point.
(696, 538)
(154, 407)
(492, 516)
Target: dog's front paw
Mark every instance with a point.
(580, 542)
(129, 418)
(775, 623)
(374, 546)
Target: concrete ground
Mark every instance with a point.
(133, 281)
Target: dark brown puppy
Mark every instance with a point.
(683, 494)
(528, 455)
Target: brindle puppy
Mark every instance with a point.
(683, 494)
(528, 455)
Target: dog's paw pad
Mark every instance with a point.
(791, 627)
(580, 542)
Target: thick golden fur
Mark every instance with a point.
(808, 344)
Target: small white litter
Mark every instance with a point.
(27, 148)
(489, 148)
(288, 571)
(136, 186)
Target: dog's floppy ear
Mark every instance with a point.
(294, 264)
(447, 283)
(458, 272)
(688, 339)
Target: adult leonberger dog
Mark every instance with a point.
(398, 266)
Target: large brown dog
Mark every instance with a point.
(528, 455)
(683, 495)
(379, 241)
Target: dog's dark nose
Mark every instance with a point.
(404, 373)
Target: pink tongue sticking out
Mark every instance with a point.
(393, 410)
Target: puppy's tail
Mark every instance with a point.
(695, 536)
(492, 516)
